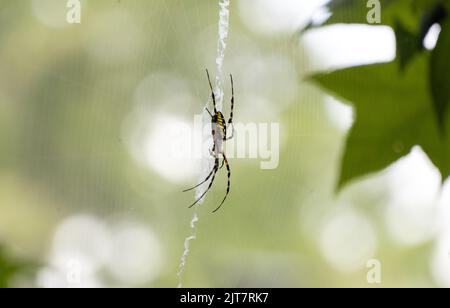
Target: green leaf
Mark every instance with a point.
(414, 15)
(433, 14)
(356, 11)
(440, 74)
(411, 43)
(393, 113)
(408, 45)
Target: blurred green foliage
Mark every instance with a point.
(399, 104)
(11, 268)
(403, 118)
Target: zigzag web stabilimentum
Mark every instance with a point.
(207, 161)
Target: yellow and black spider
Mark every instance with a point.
(219, 135)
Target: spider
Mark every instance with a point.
(219, 136)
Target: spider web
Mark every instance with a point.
(207, 161)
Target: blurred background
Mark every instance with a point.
(90, 198)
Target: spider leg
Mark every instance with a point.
(212, 92)
(216, 166)
(230, 120)
(228, 184)
(232, 133)
(209, 112)
(232, 100)
(207, 178)
(211, 152)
